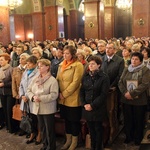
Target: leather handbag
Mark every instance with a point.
(26, 122)
(17, 114)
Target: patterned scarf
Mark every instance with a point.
(41, 80)
(22, 68)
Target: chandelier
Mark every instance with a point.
(124, 4)
(12, 4)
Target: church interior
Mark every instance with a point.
(41, 20)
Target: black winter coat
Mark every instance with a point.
(114, 69)
(94, 91)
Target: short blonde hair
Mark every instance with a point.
(39, 50)
(45, 62)
(25, 55)
(71, 43)
(82, 52)
(88, 49)
(135, 48)
(102, 41)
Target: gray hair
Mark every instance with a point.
(25, 55)
(39, 50)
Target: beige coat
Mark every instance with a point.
(48, 94)
(16, 79)
(69, 83)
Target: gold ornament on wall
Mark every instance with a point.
(50, 27)
(141, 22)
(91, 24)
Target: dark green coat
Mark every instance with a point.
(139, 94)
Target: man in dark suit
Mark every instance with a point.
(112, 65)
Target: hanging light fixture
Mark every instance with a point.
(12, 4)
(124, 4)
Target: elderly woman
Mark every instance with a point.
(88, 53)
(37, 52)
(27, 77)
(135, 48)
(43, 92)
(81, 57)
(6, 91)
(17, 74)
(16, 78)
(69, 77)
(133, 85)
(93, 95)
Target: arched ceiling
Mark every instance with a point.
(29, 6)
(36, 5)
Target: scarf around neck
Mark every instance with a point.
(41, 80)
(30, 71)
(135, 69)
(2, 69)
(65, 64)
(22, 68)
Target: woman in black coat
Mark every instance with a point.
(93, 95)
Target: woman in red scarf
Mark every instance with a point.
(81, 57)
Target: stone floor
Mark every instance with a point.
(14, 142)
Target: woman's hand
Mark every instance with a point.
(128, 96)
(61, 96)
(24, 99)
(36, 99)
(1, 84)
(88, 107)
(17, 97)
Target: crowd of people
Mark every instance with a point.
(74, 77)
